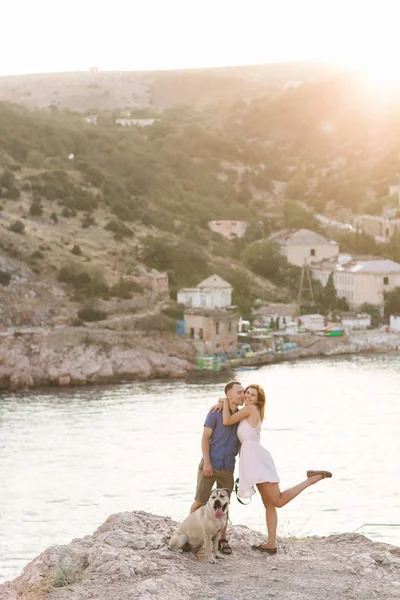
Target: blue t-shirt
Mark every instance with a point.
(224, 442)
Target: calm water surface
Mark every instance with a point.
(71, 458)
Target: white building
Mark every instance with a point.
(228, 228)
(293, 84)
(359, 280)
(138, 122)
(394, 190)
(313, 322)
(303, 245)
(356, 321)
(377, 226)
(395, 323)
(92, 119)
(211, 293)
(278, 314)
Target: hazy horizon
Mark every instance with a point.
(125, 36)
(156, 69)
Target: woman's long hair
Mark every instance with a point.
(260, 398)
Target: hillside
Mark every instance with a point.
(154, 90)
(85, 203)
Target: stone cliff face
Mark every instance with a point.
(127, 559)
(76, 356)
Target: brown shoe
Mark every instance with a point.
(260, 548)
(323, 473)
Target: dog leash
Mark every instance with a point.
(236, 490)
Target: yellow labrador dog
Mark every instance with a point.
(203, 527)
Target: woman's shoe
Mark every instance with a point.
(260, 548)
(323, 473)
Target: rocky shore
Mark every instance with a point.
(77, 356)
(127, 559)
(63, 356)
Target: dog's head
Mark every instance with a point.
(219, 502)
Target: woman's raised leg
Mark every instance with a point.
(271, 494)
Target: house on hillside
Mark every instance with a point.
(395, 323)
(304, 246)
(359, 321)
(211, 293)
(384, 227)
(124, 122)
(312, 322)
(278, 314)
(213, 331)
(92, 119)
(359, 279)
(228, 228)
(394, 190)
(155, 281)
(292, 84)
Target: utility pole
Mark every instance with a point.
(305, 285)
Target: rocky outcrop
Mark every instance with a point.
(77, 356)
(127, 559)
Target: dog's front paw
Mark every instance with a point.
(212, 560)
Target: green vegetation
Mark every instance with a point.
(153, 190)
(88, 313)
(5, 278)
(17, 227)
(392, 302)
(69, 570)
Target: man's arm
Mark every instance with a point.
(205, 449)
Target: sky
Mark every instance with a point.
(49, 36)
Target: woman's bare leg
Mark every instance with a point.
(272, 525)
(271, 494)
(271, 517)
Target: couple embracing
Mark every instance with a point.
(227, 430)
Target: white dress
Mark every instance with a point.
(256, 464)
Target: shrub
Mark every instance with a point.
(175, 311)
(17, 227)
(76, 250)
(75, 276)
(37, 254)
(77, 322)
(124, 289)
(66, 212)
(70, 570)
(36, 209)
(158, 322)
(5, 278)
(88, 313)
(119, 228)
(122, 211)
(13, 193)
(88, 221)
(54, 217)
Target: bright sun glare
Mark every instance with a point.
(383, 74)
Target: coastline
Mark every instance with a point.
(76, 356)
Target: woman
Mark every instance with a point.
(256, 465)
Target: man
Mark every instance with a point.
(219, 446)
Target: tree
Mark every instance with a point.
(296, 188)
(392, 302)
(297, 217)
(329, 294)
(373, 310)
(263, 257)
